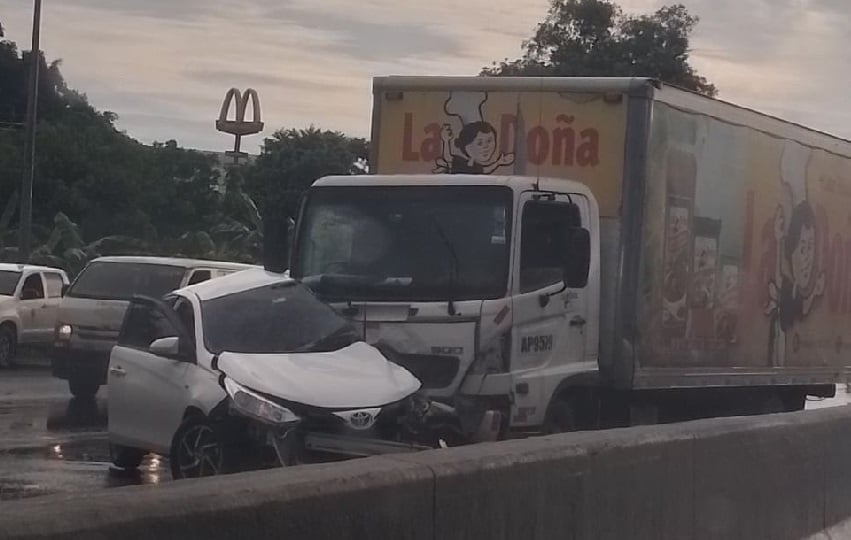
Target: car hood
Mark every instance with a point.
(357, 376)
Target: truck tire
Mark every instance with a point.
(8, 346)
(83, 389)
(125, 457)
(561, 416)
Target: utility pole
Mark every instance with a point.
(25, 225)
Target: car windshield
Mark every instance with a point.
(407, 243)
(277, 318)
(121, 280)
(8, 282)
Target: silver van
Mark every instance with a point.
(92, 309)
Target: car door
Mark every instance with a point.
(53, 283)
(548, 336)
(148, 393)
(30, 306)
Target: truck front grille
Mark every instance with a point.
(433, 371)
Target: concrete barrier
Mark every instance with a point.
(770, 477)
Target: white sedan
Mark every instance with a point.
(253, 370)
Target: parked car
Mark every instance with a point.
(91, 312)
(252, 370)
(29, 300)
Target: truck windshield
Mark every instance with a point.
(416, 243)
(8, 282)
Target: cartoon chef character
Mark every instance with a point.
(475, 149)
(797, 281)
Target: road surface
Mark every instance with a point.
(50, 443)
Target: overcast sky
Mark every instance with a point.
(164, 65)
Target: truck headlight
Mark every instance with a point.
(495, 357)
(256, 406)
(63, 332)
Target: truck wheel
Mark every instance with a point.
(201, 448)
(7, 347)
(561, 417)
(125, 457)
(82, 389)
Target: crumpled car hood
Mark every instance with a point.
(357, 376)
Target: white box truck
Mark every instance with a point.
(575, 253)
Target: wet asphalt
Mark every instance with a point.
(53, 443)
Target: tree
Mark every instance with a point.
(99, 191)
(293, 158)
(87, 170)
(594, 38)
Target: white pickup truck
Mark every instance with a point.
(29, 300)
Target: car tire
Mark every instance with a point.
(201, 448)
(83, 389)
(8, 346)
(561, 417)
(125, 457)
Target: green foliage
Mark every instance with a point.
(64, 247)
(94, 182)
(293, 158)
(594, 38)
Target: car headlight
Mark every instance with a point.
(63, 332)
(251, 404)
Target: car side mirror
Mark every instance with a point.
(276, 246)
(167, 346)
(577, 262)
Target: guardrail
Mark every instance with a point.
(770, 477)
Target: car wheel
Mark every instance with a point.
(83, 389)
(7, 347)
(125, 457)
(200, 448)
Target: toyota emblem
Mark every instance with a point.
(361, 420)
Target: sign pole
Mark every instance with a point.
(25, 244)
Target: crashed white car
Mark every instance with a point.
(252, 370)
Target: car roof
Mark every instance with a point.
(14, 267)
(243, 280)
(174, 261)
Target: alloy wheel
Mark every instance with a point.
(199, 452)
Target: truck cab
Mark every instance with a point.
(485, 287)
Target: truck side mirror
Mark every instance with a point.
(577, 260)
(276, 252)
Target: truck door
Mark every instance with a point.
(548, 336)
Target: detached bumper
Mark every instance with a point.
(80, 365)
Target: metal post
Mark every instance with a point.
(29, 143)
